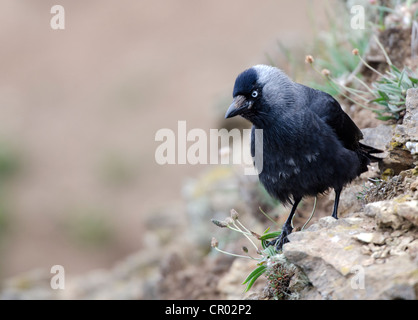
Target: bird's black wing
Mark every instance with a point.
(330, 111)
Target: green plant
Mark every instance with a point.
(387, 94)
(278, 277)
(362, 195)
(265, 253)
(391, 92)
(268, 259)
(332, 46)
(402, 13)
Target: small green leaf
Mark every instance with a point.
(413, 80)
(270, 235)
(385, 118)
(377, 100)
(255, 272)
(270, 251)
(401, 78)
(252, 278)
(395, 69)
(383, 95)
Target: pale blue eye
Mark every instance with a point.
(254, 94)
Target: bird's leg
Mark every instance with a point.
(336, 202)
(287, 228)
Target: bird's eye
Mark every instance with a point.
(254, 94)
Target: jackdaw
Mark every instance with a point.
(309, 143)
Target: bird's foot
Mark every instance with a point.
(282, 239)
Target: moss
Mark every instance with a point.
(24, 283)
(345, 270)
(342, 228)
(414, 274)
(387, 174)
(278, 279)
(402, 199)
(211, 179)
(396, 145)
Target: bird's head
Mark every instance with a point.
(259, 93)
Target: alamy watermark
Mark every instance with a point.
(358, 17)
(358, 280)
(196, 146)
(58, 280)
(57, 21)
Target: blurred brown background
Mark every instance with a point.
(79, 109)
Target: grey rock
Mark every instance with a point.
(403, 151)
(409, 211)
(325, 259)
(332, 254)
(410, 121)
(379, 137)
(376, 238)
(384, 212)
(349, 201)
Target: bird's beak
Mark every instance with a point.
(238, 106)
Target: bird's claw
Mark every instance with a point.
(282, 239)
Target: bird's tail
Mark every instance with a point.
(368, 150)
(365, 155)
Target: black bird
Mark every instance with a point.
(309, 143)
